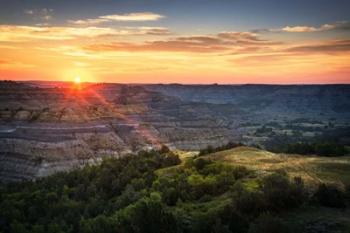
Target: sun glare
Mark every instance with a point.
(77, 80)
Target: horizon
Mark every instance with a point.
(186, 42)
(184, 84)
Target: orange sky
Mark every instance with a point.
(154, 54)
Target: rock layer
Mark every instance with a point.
(45, 130)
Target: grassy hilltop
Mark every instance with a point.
(312, 169)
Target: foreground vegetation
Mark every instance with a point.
(157, 192)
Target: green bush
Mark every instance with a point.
(148, 215)
(280, 193)
(267, 223)
(249, 203)
(210, 149)
(218, 227)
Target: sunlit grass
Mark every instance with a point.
(313, 169)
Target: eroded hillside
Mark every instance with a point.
(49, 127)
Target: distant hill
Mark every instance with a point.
(7, 84)
(281, 99)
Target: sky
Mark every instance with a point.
(176, 41)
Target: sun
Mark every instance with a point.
(77, 80)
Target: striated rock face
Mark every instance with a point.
(45, 129)
(49, 130)
(42, 150)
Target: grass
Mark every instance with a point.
(313, 169)
(335, 171)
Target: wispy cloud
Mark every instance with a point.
(29, 12)
(157, 31)
(16, 33)
(88, 21)
(324, 27)
(131, 17)
(43, 14)
(332, 46)
(340, 25)
(224, 41)
(139, 16)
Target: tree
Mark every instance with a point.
(268, 224)
(218, 227)
(17, 227)
(164, 149)
(280, 193)
(148, 215)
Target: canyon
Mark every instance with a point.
(51, 127)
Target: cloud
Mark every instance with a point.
(333, 46)
(16, 33)
(340, 25)
(140, 16)
(246, 38)
(324, 27)
(88, 21)
(43, 14)
(29, 12)
(130, 17)
(225, 41)
(157, 31)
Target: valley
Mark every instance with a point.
(49, 128)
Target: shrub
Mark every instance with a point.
(268, 224)
(234, 220)
(171, 159)
(330, 196)
(218, 227)
(280, 193)
(347, 191)
(200, 163)
(164, 149)
(249, 203)
(148, 215)
(240, 171)
(210, 149)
